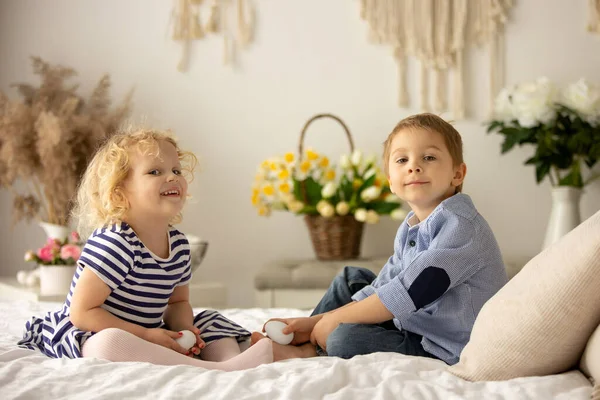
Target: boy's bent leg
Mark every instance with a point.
(349, 340)
(349, 281)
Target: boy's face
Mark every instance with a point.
(154, 186)
(421, 170)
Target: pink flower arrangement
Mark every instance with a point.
(57, 252)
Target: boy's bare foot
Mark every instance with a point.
(285, 352)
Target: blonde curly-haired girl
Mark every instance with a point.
(129, 298)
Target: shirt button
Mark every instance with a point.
(412, 243)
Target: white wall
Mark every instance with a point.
(310, 56)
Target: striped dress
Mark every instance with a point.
(141, 284)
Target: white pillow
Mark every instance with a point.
(540, 321)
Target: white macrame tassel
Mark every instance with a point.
(594, 16)
(245, 27)
(459, 15)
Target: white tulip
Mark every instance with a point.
(342, 208)
(345, 161)
(295, 206)
(360, 215)
(370, 193)
(356, 157)
(372, 217)
(369, 173)
(329, 190)
(370, 160)
(278, 206)
(325, 209)
(392, 198)
(399, 214)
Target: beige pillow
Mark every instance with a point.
(590, 361)
(541, 320)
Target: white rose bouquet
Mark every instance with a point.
(313, 185)
(562, 125)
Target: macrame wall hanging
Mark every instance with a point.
(233, 19)
(594, 16)
(436, 33)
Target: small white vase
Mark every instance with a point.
(56, 279)
(565, 214)
(55, 231)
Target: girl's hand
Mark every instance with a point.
(199, 342)
(165, 338)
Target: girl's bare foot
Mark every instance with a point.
(284, 352)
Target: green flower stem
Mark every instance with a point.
(557, 172)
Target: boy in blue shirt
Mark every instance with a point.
(446, 262)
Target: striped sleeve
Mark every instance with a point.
(108, 254)
(184, 246)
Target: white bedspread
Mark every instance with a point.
(26, 374)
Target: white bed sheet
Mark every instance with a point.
(25, 374)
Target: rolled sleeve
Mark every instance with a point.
(396, 299)
(363, 293)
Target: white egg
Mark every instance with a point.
(273, 330)
(187, 340)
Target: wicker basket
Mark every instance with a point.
(338, 237)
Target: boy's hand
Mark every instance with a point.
(300, 327)
(323, 329)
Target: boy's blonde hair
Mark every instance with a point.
(432, 123)
(100, 199)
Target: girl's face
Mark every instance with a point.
(155, 187)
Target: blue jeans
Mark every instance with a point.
(349, 340)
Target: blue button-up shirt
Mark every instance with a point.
(457, 239)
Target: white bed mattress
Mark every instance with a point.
(26, 374)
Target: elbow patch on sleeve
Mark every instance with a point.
(429, 286)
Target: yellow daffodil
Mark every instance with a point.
(289, 158)
(264, 211)
(285, 187)
(329, 175)
(268, 190)
(305, 166)
(324, 162)
(311, 155)
(283, 174)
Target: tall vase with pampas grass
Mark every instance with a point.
(47, 138)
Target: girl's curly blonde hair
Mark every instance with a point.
(100, 199)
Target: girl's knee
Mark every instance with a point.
(105, 344)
